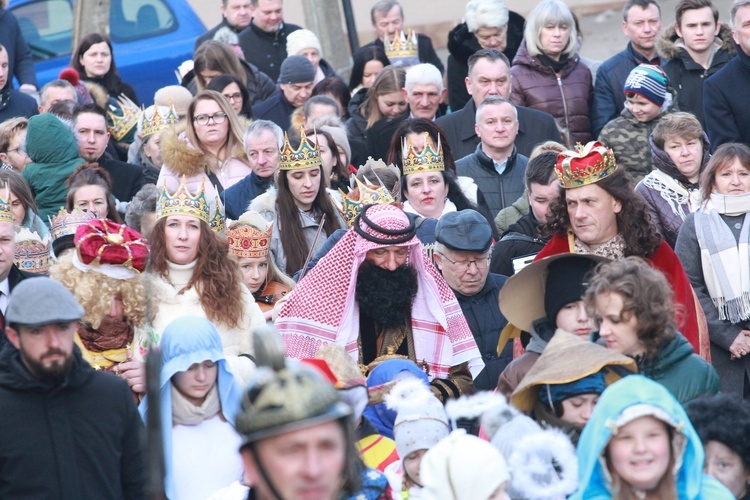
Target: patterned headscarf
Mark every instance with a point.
(322, 309)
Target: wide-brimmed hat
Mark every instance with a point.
(567, 358)
(522, 296)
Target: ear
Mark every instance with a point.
(4, 156)
(679, 31)
(625, 28)
(476, 131)
(12, 335)
(467, 81)
(443, 95)
(616, 205)
(438, 259)
(39, 108)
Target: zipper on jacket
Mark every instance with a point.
(565, 110)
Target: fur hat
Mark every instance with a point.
(299, 40)
(421, 421)
(723, 418)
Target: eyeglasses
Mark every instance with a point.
(481, 264)
(218, 118)
(233, 97)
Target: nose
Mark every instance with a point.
(307, 180)
(200, 374)
(494, 89)
(91, 137)
(587, 411)
(254, 273)
(473, 268)
(182, 233)
(580, 212)
(390, 262)
(312, 465)
(710, 469)
(583, 317)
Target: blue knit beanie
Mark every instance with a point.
(649, 82)
(550, 394)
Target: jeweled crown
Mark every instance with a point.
(306, 156)
(405, 45)
(247, 241)
(124, 118)
(6, 215)
(158, 120)
(183, 202)
(368, 195)
(32, 251)
(65, 223)
(218, 222)
(586, 165)
(429, 160)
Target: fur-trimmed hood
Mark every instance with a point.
(265, 202)
(183, 158)
(668, 44)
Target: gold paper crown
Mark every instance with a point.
(6, 215)
(367, 196)
(247, 241)
(586, 165)
(405, 45)
(123, 123)
(65, 223)
(158, 121)
(306, 156)
(218, 222)
(429, 160)
(183, 202)
(32, 252)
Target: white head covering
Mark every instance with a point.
(300, 40)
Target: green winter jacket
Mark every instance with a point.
(53, 150)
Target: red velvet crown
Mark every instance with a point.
(102, 241)
(586, 165)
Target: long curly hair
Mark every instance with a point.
(216, 277)
(95, 291)
(633, 221)
(646, 295)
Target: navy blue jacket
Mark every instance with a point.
(485, 320)
(276, 109)
(14, 104)
(238, 197)
(20, 61)
(609, 96)
(724, 104)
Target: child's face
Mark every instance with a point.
(411, 465)
(643, 109)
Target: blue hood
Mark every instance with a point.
(632, 390)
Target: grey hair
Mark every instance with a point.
(423, 74)
(494, 100)
(259, 126)
(383, 7)
(486, 14)
(142, 203)
(59, 83)
(546, 12)
(323, 100)
(737, 5)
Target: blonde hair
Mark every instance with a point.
(95, 291)
(546, 12)
(274, 273)
(234, 140)
(390, 79)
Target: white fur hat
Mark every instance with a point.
(421, 421)
(300, 40)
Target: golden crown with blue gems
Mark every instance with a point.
(306, 156)
(430, 159)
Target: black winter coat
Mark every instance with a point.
(20, 60)
(266, 50)
(15, 104)
(485, 320)
(521, 239)
(78, 438)
(127, 179)
(259, 86)
(462, 44)
(727, 119)
(276, 109)
(687, 76)
(209, 35)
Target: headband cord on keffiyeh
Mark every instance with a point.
(441, 335)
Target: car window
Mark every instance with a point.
(137, 19)
(47, 26)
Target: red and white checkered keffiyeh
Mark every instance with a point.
(322, 309)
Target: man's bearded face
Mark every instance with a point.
(384, 295)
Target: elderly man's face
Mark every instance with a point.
(306, 463)
(53, 95)
(488, 78)
(465, 272)
(593, 213)
(388, 23)
(46, 350)
(390, 258)
(238, 13)
(262, 151)
(492, 38)
(297, 93)
(424, 100)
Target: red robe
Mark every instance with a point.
(689, 315)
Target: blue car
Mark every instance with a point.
(150, 39)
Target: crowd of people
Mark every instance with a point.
(522, 275)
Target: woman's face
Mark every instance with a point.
(326, 156)
(426, 193)
(370, 73)
(17, 208)
(573, 318)
(182, 234)
(234, 96)
(97, 60)
(92, 199)
(304, 185)
(577, 410)
(343, 160)
(640, 452)
(687, 155)
(492, 37)
(553, 39)
(618, 329)
(392, 104)
(152, 149)
(212, 134)
(312, 55)
(732, 179)
(195, 382)
(726, 466)
(254, 272)
(411, 465)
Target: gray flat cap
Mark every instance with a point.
(41, 301)
(464, 231)
(296, 69)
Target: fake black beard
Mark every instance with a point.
(386, 296)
